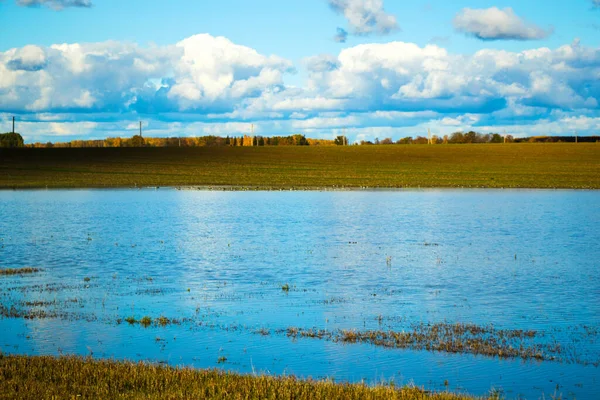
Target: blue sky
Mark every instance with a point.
(73, 69)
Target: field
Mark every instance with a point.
(557, 165)
(71, 377)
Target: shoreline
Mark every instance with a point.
(242, 188)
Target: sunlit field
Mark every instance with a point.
(300, 167)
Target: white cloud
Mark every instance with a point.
(201, 72)
(496, 24)
(209, 84)
(321, 63)
(72, 128)
(213, 68)
(364, 17)
(408, 77)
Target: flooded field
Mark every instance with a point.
(461, 290)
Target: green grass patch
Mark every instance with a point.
(554, 165)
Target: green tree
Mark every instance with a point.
(137, 141)
(10, 139)
(496, 138)
(300, 140)
(340, 140)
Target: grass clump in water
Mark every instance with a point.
(146, 321)
(67, 377)
(19, 271)
(449, 338)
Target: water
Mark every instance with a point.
(353, 260)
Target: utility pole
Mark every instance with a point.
(575, 137)
(252, 133)
(140, 128)
(345, 139)
(13, 131)
(505, 136)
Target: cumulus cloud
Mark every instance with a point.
(201, 72)
(496, 24)
(212, 84)
(55, 4)
(29, 58)
(321, 63)
(364, 17)
(213, 69)
(404, 76)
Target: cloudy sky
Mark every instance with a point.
(75, 69)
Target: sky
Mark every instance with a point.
(89, 69)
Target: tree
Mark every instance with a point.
(137, 141)
(496, 138)
(11, 140)
(340, 140)
(457, 137)
(299, 140)
(470, 137)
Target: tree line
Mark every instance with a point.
(16, 140)
(455, 138)
(197, 141)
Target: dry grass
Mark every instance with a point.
(26, 377)
(19, 271)
(451, 338)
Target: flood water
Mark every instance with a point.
(363, 260)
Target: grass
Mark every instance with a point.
(27, 377)
(451, 338)
(19, 271)
(555, 165)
